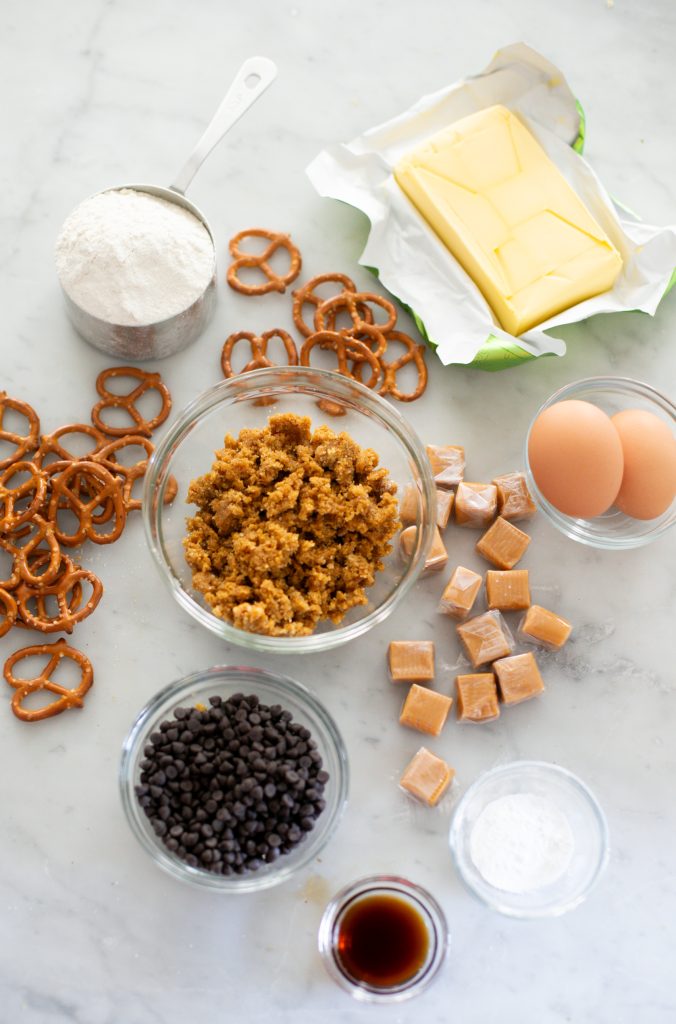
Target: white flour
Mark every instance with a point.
(521, 842)
(131, 258)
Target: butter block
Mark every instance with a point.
(425, 710)
(509, 217)
(427, 777)
(411, 661)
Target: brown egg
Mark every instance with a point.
(576, 458)
(649, 480)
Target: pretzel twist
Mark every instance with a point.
(68, 591)
(414, 354)
(66, 493)
(22, 553)
(110, 400)
(66, 697)
(306, 295)
(259, 350)
(8, 611)
(10, 516)
(346, 348)
(352, 303)
(274, 282)
(24, 442)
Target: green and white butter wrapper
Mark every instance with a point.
(416, 267)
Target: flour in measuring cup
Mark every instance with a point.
(131, 258)
(521, 842)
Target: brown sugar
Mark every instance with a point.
(411, 661)
(437, 555)
(444, 507)
(503, 544)
(518, 678)
(427, 777)
(447, 463)
(508, 591)
(475, 504)
(477, 696)
(460, 593)
(543, 627)
(485, 638)
(514, 499)
(425, 710)
(291, 528)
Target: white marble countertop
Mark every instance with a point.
(91, 932)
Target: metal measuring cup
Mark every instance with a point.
(157, 340)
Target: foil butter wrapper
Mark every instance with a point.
(414, 264)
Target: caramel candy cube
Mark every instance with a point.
(427, 777)
(448, 464)
(409, 505)
(514, 499)
(444, 507)
(477, 697)
(460, 593)
(425, 710)
(545, 628)
(502, 544)
(508, 591)
(437, 556)
(475, 504)
(485, 638)
(518, 678)
(411, 660)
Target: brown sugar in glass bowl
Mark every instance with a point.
(291, 528)
(187, 450)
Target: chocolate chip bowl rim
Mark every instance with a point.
(271, 689)
(281, 382)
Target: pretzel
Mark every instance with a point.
(259, 349)
(10, 516)
(14, 577)
(345, 348)
(8, 611)
(24, 442)
(109, 400)
(22, 554)
(67, 698)
(306, 294)
(66, 493)
(50, 444)
(414, 354)
(128, 474)
(68, 592)
(275, 282)
(327, 312)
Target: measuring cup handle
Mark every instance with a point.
(251, 81)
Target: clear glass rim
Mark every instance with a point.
(171, 694)
(269, 382)
(576, 529)
(431, 912)
(502, 905)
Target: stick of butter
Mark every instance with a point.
(509, 217)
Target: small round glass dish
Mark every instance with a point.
(570, 798)
(187, 451)
(613, 530)
(410, 928)
(271, 689)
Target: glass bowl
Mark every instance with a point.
(613, 529)
(187, 451)
(271, 689)
(420, 901)
(585, 818)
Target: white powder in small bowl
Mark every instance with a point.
(521, 842)
(131, 258)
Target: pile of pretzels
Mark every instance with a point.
(361, 346)
(52, 500)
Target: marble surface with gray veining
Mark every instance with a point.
(91, 932)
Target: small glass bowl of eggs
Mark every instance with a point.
(600, 458)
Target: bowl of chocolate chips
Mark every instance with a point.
(233, 779)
